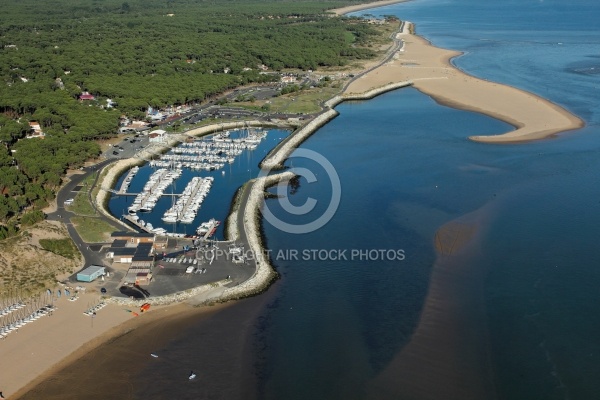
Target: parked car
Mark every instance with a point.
(116, 153)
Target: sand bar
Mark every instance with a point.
(447, 356)
(429, 69)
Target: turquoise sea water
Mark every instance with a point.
(406, 169)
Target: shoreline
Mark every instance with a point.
(379, 80)
(365, 6)
(430, 70)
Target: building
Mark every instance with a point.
(288, 79)
(35, 131)
(140, 254)
(133, 237)
(121, 254)
(160, 242)
(91, 273)
(143, 278)
(157, 136)
(86, 96)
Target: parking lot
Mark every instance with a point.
(176, 270)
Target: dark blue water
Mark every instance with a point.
(217, 202)
(344, 312)
(406, 169)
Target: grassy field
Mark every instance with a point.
(82, 205)
(93, 230)
(304, 102)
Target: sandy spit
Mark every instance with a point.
(431, 72)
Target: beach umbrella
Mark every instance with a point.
(145, 307)
(135, 314)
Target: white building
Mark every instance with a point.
(157, 136)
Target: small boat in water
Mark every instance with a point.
(192, 375)
(153, 355)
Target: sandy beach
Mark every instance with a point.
(118, 364)
(365, 6)
(429, 69)
(68, 332)
(39, 345)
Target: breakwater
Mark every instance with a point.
(172, 298)
(275, 158)
(248, 219)
(210, 129)
(369, 94)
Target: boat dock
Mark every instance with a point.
(207, 229)
(211, 231)
(153, 190)
(127, 180)
(198, 192)
(134, 221)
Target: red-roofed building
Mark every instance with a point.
(86, 96)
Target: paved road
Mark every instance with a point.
(61, 214)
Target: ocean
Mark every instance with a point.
(450, 269)
(343, 329)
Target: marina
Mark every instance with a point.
(188, 190)
(187, 205)
(153, 189)
(210, 154)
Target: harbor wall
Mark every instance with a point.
(278, 155)
(112, 173)
(210, 129)
(276, 158)
(177, 297)
(249, 219)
